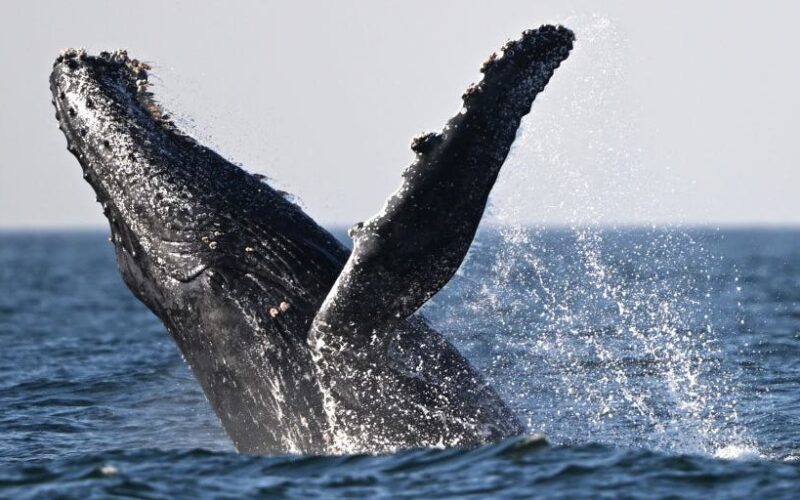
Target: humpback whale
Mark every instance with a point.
(300, 345)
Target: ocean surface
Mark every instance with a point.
(645, 363)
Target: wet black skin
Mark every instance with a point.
(238, 274)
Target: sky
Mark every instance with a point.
(676, 112)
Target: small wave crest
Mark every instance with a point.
(738, 452)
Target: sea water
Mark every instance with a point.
(653, 361)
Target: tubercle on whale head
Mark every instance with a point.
(106, 113)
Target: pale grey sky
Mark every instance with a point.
(674, 111)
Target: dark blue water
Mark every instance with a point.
(656, 363)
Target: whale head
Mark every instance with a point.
(234, 270)
(176, 209)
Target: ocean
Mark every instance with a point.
(645, 363)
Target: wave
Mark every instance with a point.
(514, 467)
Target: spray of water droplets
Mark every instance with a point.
(593, 333)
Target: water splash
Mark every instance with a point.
(610, 328)
(622, 333)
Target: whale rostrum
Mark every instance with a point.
(300, 345)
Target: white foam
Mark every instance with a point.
(738, 452)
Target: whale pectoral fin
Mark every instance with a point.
(408, 251)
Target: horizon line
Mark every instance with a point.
(341, 226)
